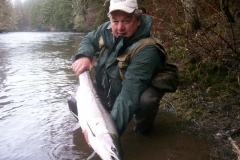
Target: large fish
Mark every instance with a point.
(96, 123)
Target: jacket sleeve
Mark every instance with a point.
(144, 65)
(90, 43)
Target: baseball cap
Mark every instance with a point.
(124, 5)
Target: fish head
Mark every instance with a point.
(109, 147)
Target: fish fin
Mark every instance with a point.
(92, 155)
(85, 133)
(76, 126)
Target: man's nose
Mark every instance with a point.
(120, 26)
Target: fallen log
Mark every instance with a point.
(235, 147)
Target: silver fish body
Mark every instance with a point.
(93, 118)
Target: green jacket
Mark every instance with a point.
(145, 63)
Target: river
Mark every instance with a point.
(35, 124)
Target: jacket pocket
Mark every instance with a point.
(123, 62)
(167, 80)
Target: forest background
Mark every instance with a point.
(201, 37)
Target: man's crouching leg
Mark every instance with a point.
(149, 104)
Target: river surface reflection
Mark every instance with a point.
(35, 123)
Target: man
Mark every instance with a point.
(124, 80)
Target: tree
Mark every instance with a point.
(79, 13)
(21, 15)
(224, 6)
(47, 12)
(8, 21)
(87, 14)
(42, 13)
(191, 15)
(62, 15)
(36, 17)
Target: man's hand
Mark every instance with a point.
(81, 65)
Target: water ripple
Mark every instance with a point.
(35, 78)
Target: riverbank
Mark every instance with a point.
(215, 121)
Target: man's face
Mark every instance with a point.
(124, 24)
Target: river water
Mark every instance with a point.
(35, 124)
